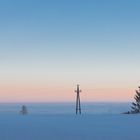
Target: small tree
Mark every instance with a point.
(24, 110)
(136, 105)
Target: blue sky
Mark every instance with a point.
(93, 42)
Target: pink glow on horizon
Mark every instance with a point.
(66, 94)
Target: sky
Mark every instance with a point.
(47, 47)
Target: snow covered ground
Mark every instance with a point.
(70, 127)
(66, 108)
(44, 126)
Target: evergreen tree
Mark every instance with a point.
(24, 110)
(136, 105)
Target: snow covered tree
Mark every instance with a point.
(136, 105)
(24, 110)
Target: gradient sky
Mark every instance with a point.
(49, 46)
